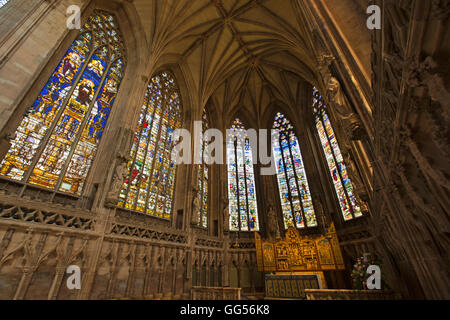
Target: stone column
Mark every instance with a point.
(162, 271)
(27, 275)
(56, 284)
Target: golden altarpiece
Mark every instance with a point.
(297, 262)
(386, 93)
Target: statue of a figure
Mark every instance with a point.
(362, 204)
(226, 214)
(324, 63)
(272, 222)
(352, 171)
(195, 206)
(318, 207)
(120, 174)
(337, 98)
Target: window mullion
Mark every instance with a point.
(202, 196)
(166, 157)
(138, 138)
(337, 166)
(204, 188)
(237, 183)
(246, 188)
(55, 120)
(163, 108)
(205, 175)
(82, 125)
(144, 161)
(287, 182)
(200, 183)
(296, 180)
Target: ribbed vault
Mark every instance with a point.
(243, 53)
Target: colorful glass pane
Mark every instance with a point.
(53, 158)
(86, 148)
(243, 210)
(202, 176)
(338, 171)
(38, 120)
(295, 196)
(56, 142)
(150, 184)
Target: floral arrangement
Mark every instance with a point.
(359, 274)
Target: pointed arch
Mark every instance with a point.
(57, 139)
(243, 210)
(338, 171)
(150, 184)
(295, 195)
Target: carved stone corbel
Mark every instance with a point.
(354, 130)
(440, 9)
(324, 62)
(120, 173)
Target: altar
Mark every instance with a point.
(297, 263)
(292, 286)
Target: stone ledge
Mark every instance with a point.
(330, 294)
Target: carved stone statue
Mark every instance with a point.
(226, 214)
(352, 171)
(195, 206)
(318, 207)
(324, 63)
(337, 98)
(354, 130)
(120, 174)
(272, 222)
(362, 204)
(320, 213)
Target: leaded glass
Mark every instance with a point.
(202, 176)
(338, 171)
(296, 201)
(243, 210)
(150, 184)
(56, 142)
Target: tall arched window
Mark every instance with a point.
(202, 176)
(336, 165)
(296, 201)
(150, 184)
(57, 140)
(241, 181)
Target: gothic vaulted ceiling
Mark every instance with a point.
(240, 54)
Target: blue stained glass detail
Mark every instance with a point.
(295, 197)
(56, 142)
(338, 171)
(243, 210)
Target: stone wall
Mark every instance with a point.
(126, 254)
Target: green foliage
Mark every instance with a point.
(359, 274)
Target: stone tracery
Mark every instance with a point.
(241, 59)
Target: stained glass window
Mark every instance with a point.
(296, 201)
(202, 176)
(57, 140)
(3, 2)
(241, 181)
(342, 184)
(150, 184)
